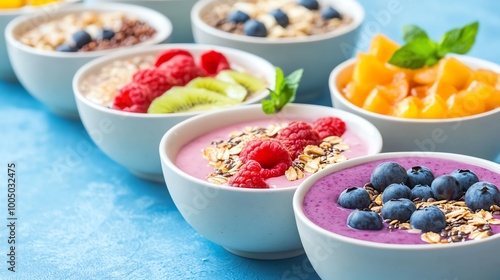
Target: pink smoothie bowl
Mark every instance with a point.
(337, 251)
(252, 223)
(131, 139)
(475, 135)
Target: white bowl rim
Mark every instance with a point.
(82, 71)
(309, 182)
(358, 19)
(252, 107)
(341, 67)
(161, 33)
(29, 9)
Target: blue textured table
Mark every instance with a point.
(82, 216)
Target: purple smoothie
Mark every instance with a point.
(321, 207)
(190, 160)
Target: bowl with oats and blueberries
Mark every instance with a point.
(232, 173)
(309, 34)
(48, 47)
(128, 100)
(11, 9)
(417, 214)
(176, 10)
(437, 100)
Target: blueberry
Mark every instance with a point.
(66, 48)
(482, 195)
(465, 177)
(254, 28)
(421, 192)
(398, 209)
(363, 219)
(353, 198)
(310, 4)
(280, 17)
(387, 173)
(81, 38)
(428, 219)
(395, 191)
(330, 13)
(419, 175)
(105, 34)
(237, 17)
(446, 187)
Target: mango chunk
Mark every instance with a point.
(444, 89)
(382, 47)
(356, 93)
(426, 75)
(370, 70)
(454, 72)
(484, 75)
(433, 107)
(409, 107)
(375, 102)
(485, 93)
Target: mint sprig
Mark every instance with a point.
(420, 50)
(284, 91)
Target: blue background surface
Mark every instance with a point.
(82, 216)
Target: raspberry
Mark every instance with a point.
(168, 54)
(133, 97)
(249, 176)
(179, 70)
(296, 136)
(329, 126)
(270, 154)
(154, 79)
(212, 62)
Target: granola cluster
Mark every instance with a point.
(223, 155)
(461, 223)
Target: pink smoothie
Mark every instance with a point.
(190, 160)
(321, 207)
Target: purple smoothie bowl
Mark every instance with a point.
(339, 252)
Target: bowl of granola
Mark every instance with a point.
(313, 35)
(48, 47)
(128, 100)
(232, 174)
(403, 213)
(176, 10)
(12, 9)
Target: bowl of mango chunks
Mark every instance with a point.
(424, 95)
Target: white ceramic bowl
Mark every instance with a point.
(253, 223)
(317, 54)
(6, 15)
(475, 135)
(131, 139)
(47, 75)
(335, 256)
(178, 11)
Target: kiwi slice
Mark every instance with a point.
(185, 99)
(251, 83)
(231, 90)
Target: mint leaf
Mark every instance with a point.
(416, 54)
(459, 40)
(268, 107)
(284, 91)
(412, 32)
(280, 80)
(292, 84)
(421, 51)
